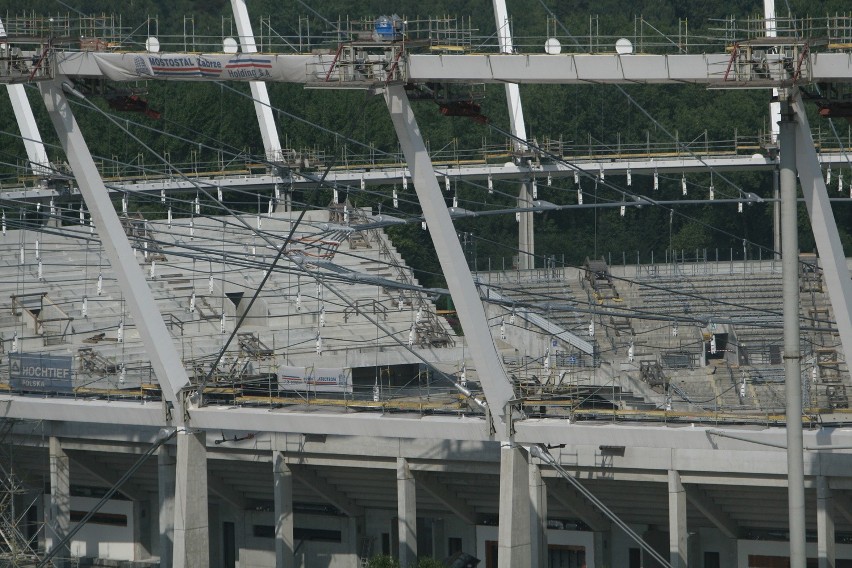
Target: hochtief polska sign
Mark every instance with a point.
(40, 372)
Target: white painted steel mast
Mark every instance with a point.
(774, 120)
(526, 234)
(36, 154)
(259, 93)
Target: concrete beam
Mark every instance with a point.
(715, 514)
(327, 491)
(565, 69)
(575, 69)
(107, 475)
(569, 498)
(446, 497)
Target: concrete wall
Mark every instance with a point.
(257, 552)
(554, 537)
(100, 540)
(378, 522)
(775, 548)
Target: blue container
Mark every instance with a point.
(385, 29)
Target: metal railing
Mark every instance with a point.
(216, 166)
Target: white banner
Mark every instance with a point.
(214, 66)
(315, 379)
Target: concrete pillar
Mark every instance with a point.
(191, 528)
(514, 547)
(166, 481)
(142, 529)
(153, 521)
(439, 539)
(825, 524)
(407, 513)
(355, 526)
(603, 549)
(214, 514)
(792, 353)
(538, 517)
(283, 511)
(60, 501)
(526, 233)
(677, 521)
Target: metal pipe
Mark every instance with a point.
(792, 357)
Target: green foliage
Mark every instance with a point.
(429, 562)
(382, 561)
(213, 123)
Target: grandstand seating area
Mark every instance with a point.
(657, 326)
(203, 273)
(703, 338)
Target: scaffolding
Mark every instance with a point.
(18, 535)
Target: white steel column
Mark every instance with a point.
(775, 105)
(406, 491)
(166, 484)
(283, 489)
(832, 258)
(192, 536)
(265, 118)
(513, 96)
(603, 549)
(60, 501)
(495, 383)
(36, 154)
(514, 546)
(792, 357)
(677, 521)
(538, 517)
(774, 119)
(526, 225)
(526, 229)
(825, 524)
(164, 357)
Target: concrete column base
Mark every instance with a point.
(60, 501)
(283, 479)
(825, 524)
(191, 528)
(514, 548)
(407, 513)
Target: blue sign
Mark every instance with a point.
(40, 372)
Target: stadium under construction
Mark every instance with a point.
(208, 387)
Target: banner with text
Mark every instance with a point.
(40, 372)
(315, 379)
(212, 66)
